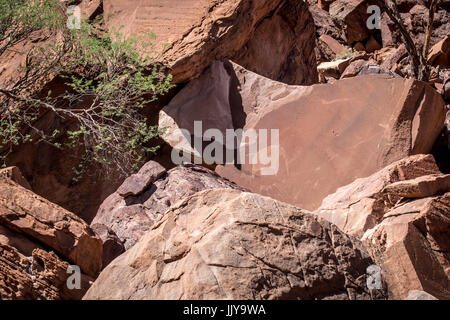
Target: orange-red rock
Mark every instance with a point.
(330, 134)
(412, 246)
(40, 276)
(229, 244)
(359, 206)
(440, 53)
(272, 37)
(50, 225)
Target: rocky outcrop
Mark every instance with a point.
(40, 276)
(54, 227)
(361, 205)
(412, 246)
(402, 214)
(131, 211)
(229, 244)
(112, 245)
(38, 242)
(351, 16)
(273, 38)
(440, 53)
(415, 18)
(329, 135)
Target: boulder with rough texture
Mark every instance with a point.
(14, 174)
(393, 61)
(51, 225)
(40, 276)
(412, 246)
(329, 135)
(440, 53)
(351, 17)
(229, 244)
(89, 8)
(360, 205)
(420, 187)
(335, 46)
(324, 26)
(132, 216)
(38, 243)
(137, 183)
(272, 37)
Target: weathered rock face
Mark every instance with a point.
(324, 26)
(38, 242)
(54, 227)
(274, 38)
(40, 276)
(329, 135)
(228, 244)
(131, 216)
(351, 17)
(440, 53)
(361, 205)
(402, 214)
(412, 246)
(415, 18)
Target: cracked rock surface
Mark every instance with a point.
(412, 246)
(359, 206)
(132, 216)
(402, 215)
(38, 242)
(229, 244)
(274, 38)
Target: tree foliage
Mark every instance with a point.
(108, 82)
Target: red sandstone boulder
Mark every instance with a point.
(402, 214)
(271, 37)
(351, 16)
(360, 206)
(412, 246)
(51, 225)
(329, 135)
(40, 276)
(440, 53)
(229, 244)
(324, 26)
(130, 216)
(38, 242)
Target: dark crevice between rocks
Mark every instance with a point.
(441, 151)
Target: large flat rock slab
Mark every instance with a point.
(329, 135)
